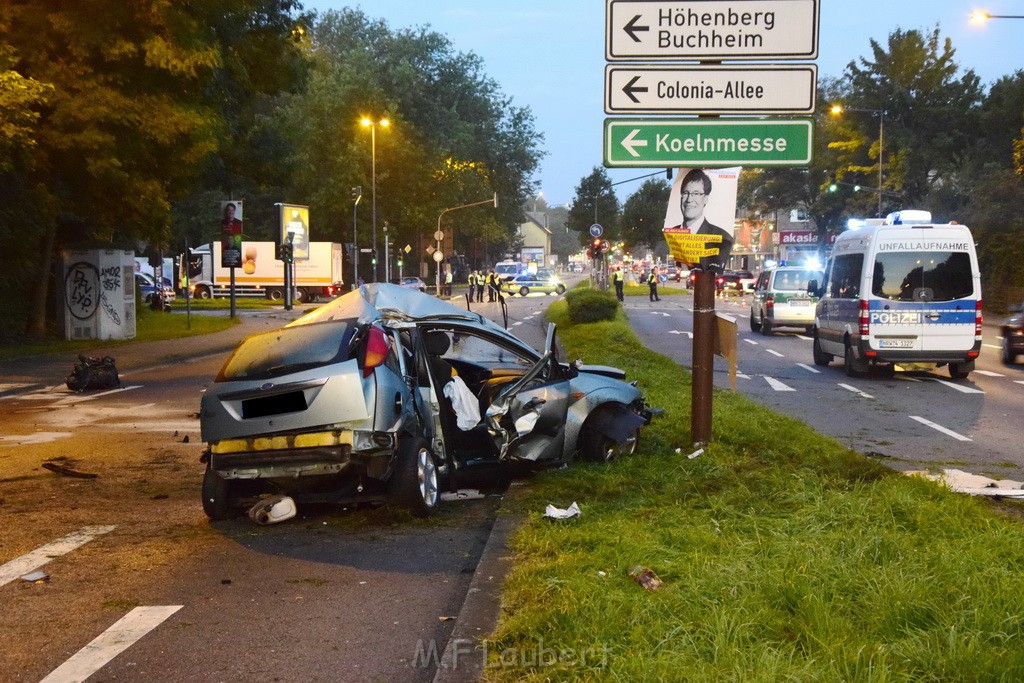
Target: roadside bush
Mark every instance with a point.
(588, 305)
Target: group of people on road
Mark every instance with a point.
(478, 282)
(651, 278)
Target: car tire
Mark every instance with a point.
(957, 371)
(596, 447)
(275, 293)
(415, 482)
(850, 365)
(766, 327)
(1009, 357)
(523, 291)
(820, 357)
(754, 325)
(216, 495)
(203, 292)
(560, 290)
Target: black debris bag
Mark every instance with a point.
(93, 373)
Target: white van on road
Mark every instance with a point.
(899, 294)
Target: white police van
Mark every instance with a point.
(904, 292)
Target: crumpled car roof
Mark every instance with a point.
(394, 303)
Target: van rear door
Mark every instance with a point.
(926, 292)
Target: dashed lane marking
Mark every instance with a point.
(855, 390)
(960, 387)
(37, 558)
(775, 353)
(993, 346)
(808, 368)
(940, 428)
(751, 342)
(128, 630)
(688, 334)
(35, 438)
(777, 385)
(800, 336)
(82, 398)
(988, 373)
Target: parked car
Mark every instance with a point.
(1013, 334)
(542, 281)
(781, 299)
(148, 290)
(386, 393)
(411, 283)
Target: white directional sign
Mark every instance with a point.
(641, 30)
(706, 89)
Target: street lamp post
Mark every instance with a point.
(357, 194)
(372, 125)
(437, 283)
(982, 17)
(839, 109)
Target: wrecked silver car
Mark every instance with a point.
(390, 393)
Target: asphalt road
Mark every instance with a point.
(332, 595)
(914, 420)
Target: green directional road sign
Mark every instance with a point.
(707, 142)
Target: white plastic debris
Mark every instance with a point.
(38, 576)
(558, 513)
(974, 484)
(272, 510)
(696, 454)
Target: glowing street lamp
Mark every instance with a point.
(838, 109)
(372, 125)
(982, 17)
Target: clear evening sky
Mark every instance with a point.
(549, 55)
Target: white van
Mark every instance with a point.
(900, 294)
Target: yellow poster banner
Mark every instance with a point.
(691, 248)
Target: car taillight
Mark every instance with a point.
(978, 319)
(769, 301)
(376, 350)
(864, 325)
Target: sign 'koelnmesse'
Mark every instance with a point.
(710, 31)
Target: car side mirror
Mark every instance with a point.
(812, 288)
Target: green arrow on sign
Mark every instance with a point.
(706, 142)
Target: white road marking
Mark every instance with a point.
(82, 398)
(35, 438)
(808, 368)
(519, 322)
(688, 334)
(988, 373)
(109, 644)
(800, 336)
(992, 346)
(775, 353)
(940, 428)
(661, 314)
(777, 385)
(742, 376)
(855, 390)
(751, 342)
(1019, 381)
(8, 386)
(37, 558)
(960, 387)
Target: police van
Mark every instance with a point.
(904, 292)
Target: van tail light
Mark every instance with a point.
(978, 319)
(769, 301)
(865, 327)
(376, 350)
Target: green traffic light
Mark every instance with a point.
(833, 187)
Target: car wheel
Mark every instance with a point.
(414, 484)
(754, 325)
(1009, 357)
(523, 291)
(203, 292)
(216, 495)
(820, 357)
(959, 370)
(596, 447)
(850, 364)
(766, 327)
(560, 290)
(275, 293)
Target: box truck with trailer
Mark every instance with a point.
(261, 274)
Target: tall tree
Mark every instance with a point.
(643, 216)
(595, 202)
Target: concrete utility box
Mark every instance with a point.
(99, 294)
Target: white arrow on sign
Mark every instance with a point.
(631, 143)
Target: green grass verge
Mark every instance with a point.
(784, 556)
(150, 326)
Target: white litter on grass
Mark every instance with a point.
(462, 494)
(558, 513)
(696, 454)
(272, 510)
(974, 484)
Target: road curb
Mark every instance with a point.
(463, 660)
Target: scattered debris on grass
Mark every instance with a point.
(559, 513)
(974, 484)
(272, 510)
(67, 471)
(645, 576)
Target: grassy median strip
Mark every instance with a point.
(784, 556)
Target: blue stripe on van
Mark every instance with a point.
(959, 312)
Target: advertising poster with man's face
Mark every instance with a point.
(231, 233)
(700, 216)
(295, 229)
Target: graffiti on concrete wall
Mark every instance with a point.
(85, 288)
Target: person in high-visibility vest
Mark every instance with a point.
(448, 283)
(652, 283)
(473, 277)
(492, 285)
(619, 283)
